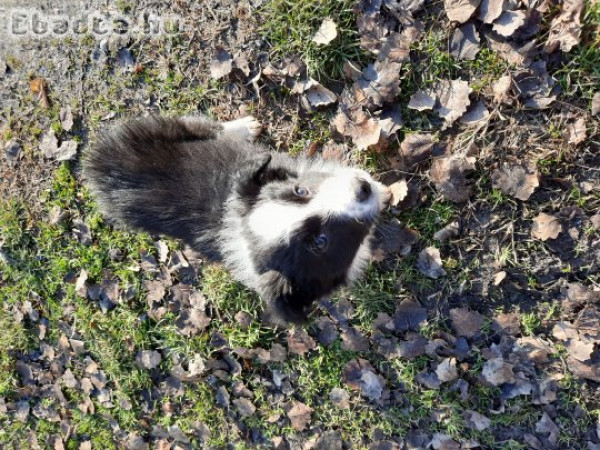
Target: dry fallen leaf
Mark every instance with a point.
(422, 100)
(39, 86)
(317, 95)
(465, 322)
(476, 114)
(496, 371)
(148, 359)
(396, 48)
(399, 190)
(565, 29)
(299, 342)
(460, 10)
(596, 104)
(299, 415)
(356, 124)
(416, 148)
(516, 180)
(509, 22)
(465, 42)
(545, 226)
(327, 32)
(477, 421)
(66, 118)
(577, 131)
(430, 263)
(547, 427)
(501, 89)
(221, 64)
(453, 99)
(446, 370)
(370, 385)
(490, 10)
(378, 84)
(450, 177)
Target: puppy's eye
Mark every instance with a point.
(301, 191)
(321, 242)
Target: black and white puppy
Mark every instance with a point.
(292, 229)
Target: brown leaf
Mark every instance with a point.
(545, 426)
(39, 86)
(545, 226)
(221, 64)
(430, 263)
(507, 323)
(453, 99)
(353, 340)
(340, 398)
(596, 104)
(501, 89)
(477, 421)
(66, 118)
(409, 316)
(327, 32)
(148, 359)
(395, 48)
(509, 22)
(378, 84)
(316, 94)
(581, 349)
(460, 10)
(490, 10)
(577, 131)
(299, 342)
(476, 114)
(516, 180)
(244, 406)
(399, 189)
(356, 124)
(465, 42)
(450, 177)
(465, 322)
(353, 371)
(371, 385)
(422, 100)
(299, 414)
(446, 370)
(565, 29)
(496, 371)
(416, 148)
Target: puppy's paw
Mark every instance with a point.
(246, 128)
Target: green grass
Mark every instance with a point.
(579, 76)
(289, 25)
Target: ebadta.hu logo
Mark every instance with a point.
(34, 23)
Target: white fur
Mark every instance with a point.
(246, 128)
(274, 222)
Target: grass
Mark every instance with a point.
(45, 259)
(289, 25)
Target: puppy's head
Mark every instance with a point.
(307, 229)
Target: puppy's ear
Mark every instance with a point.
(259, 172)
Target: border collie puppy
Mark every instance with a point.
(292, 229)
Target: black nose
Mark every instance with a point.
(364, 190)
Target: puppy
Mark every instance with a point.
(292, 229)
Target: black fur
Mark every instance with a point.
(190, 180)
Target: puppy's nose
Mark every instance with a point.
(363, 191)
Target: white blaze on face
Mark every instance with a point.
(336, 197)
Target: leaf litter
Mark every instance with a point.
(367, 115)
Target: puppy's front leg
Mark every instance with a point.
(245, 128)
